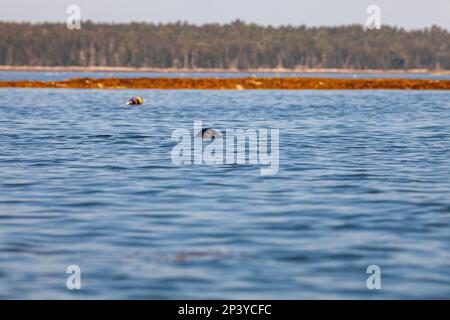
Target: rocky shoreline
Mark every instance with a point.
(236, 84)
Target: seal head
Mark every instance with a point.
(208, 133)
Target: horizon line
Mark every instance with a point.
(237, 20)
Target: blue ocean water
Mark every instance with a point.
(364, 179)
(59, 76)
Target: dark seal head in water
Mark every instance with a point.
(208, 133)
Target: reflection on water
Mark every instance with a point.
(364, 179)
(58, 76)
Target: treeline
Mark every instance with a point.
(236, 45)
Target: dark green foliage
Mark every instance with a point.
(235, 45)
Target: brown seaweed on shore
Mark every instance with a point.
(236, 83)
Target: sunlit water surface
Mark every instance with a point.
(59, 76)
(364, 179)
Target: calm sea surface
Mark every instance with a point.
(364, 179)
(58, 76)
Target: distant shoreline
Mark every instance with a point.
(248, 83)
(215, 71)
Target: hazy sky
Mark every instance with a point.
(405, 13)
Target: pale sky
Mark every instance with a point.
(405, 13)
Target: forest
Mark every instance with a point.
(236, 45)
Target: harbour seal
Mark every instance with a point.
(208, 133)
